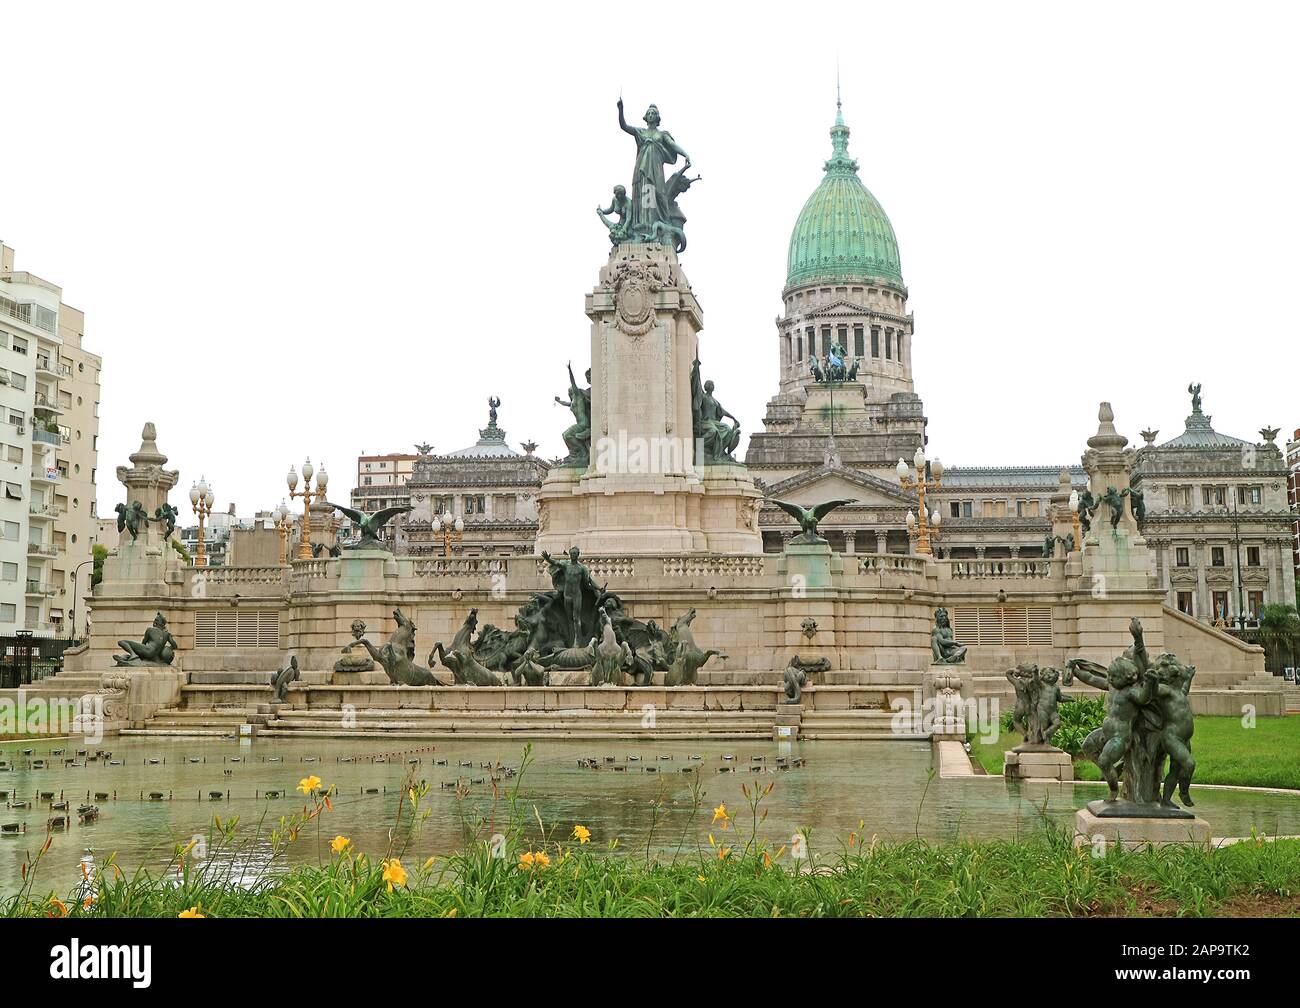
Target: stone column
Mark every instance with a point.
(850, 540)
(1201, 552)
(882, 542)
(979, 552)
(1015, 551)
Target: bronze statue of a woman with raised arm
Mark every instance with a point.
(652, 203)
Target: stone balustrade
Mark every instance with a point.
(436, 567)
(241, 575)
(722, 565)
(875, 563)
(1002, 569)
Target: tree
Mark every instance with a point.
(1279, 633)
(100, 553)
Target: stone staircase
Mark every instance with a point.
(853, 724)
(574, 724)
(844, 705)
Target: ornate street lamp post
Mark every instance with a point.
(201, 501)
(1074, 517)
(307, 495)
(922, 527)
(282, 523)
(450, 529)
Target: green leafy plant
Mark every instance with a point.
(100, 553)
(179, 548)
(1079, 717)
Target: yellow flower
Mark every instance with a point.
(720, 813)
(767, 860)
(192, 911)
(701, 878)
(541, 859)
(534, 859)
(429, 863)
(394, 873)
(339, 844)
(309, 784)
(723, 852)
(60, 908)
(526, 859)
(582, 834)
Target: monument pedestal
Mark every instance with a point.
(645, 488)
(1134, 832)
(1037, 763)
(813, 563)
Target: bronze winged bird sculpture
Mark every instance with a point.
(808, 518)
(370, 525)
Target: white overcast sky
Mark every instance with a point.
(317, 228)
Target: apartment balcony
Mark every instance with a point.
(45, 367)
(38, 590)
(46, 512)
(37, 549)
(42, 436)
(46, 405)
(48, 477)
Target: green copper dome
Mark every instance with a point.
(842, 233)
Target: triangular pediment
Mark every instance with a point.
(836, 308)
(831, 482)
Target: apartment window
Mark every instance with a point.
(1212, 496)
(366, 481)
(1254, 603)
(18, 381)
(954, 509)
(1216, 556)
(10, 530)
(19, 345)
(13, 491)
(1182, 557)
(1252, 556)
(14, 453)
(17, 418)
(8, 612)
(1250, 495)
(1185, 603)
(8, 572)
(858, 345)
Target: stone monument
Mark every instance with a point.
(657, 476)
(1036, 715)
(1148, 722)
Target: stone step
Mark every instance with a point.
(177, 732)
(722, 733)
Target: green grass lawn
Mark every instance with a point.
(1043, 876)
(1267, 755)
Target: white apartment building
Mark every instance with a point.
(49, 427)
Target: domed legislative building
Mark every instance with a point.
(842, 436)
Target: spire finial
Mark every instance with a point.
(839, 116)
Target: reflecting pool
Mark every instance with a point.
(640, 793)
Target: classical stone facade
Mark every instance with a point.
(489, 486)
(1218, 520)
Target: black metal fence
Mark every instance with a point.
(26, 657)
(1277, 657)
